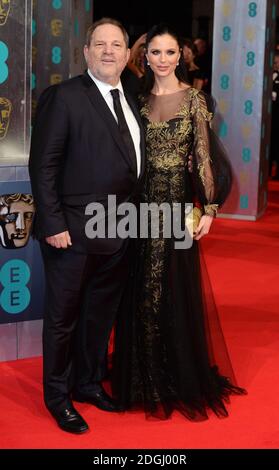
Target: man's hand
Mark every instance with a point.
(61, 240)
(204, 227)
(190, 163)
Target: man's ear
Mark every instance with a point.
(128, 54)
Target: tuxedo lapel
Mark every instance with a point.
(105, 113)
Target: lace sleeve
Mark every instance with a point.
(211, 169)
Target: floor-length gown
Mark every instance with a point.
(169, 349)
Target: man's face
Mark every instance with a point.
(276, 63)
(16, 222)
(107, 54)
(4, 11)
(200, 45)
(188, 54)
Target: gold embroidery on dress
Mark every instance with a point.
(168, 145)
(170, 142)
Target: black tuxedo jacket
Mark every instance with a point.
(77, 157)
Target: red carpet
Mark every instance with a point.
(242, 259)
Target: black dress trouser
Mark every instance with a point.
(83, 293)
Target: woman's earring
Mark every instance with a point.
(148, 63)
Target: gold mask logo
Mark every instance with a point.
(56, 78)
(56, 27)
(243, 177)
(227, 9)
(5, 6)
(16, 217)
(250, 33)
(248, 82)
(223, 106)
(5, 116)
(246, 131)
(225, 57)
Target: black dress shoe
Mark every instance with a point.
(99, 398)
(69, 420)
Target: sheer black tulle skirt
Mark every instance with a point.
(169, 351)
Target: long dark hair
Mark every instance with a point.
(180, 71)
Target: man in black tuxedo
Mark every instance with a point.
(87, 143)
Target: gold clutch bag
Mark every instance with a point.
(193, 219)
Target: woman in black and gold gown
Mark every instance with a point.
(169, 349)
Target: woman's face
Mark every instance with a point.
(163, 55)
(188, 55)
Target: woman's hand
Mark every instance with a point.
(203, 227)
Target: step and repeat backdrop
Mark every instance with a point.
(41, 43)
(243, 45)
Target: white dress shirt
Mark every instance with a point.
(132, 123)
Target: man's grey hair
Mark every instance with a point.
(103, 21)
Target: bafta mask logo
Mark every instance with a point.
(225, 57)
(56, 27)
(250, 33)
(223, 106)
(56, 78)
(5, 6)
(16, 217)
(248, 82)
(227, 9)
(5, 115)
(246, 131)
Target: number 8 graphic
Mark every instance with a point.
(252, 9)
(4, 54)
(226, 33)
(56, 55)
(57, 4)
(250, 58)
